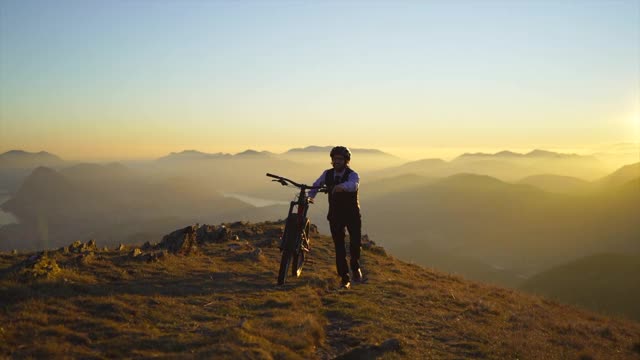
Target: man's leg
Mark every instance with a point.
(355, 235)
(338, 234)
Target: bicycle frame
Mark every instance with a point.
(295, 240)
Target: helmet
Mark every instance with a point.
(341, 150)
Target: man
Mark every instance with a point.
(344, 211)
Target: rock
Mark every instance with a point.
(121, 247)
(366, 242)
(182, 241)
(14, 252)
(313, 229)
(146, 246)
(238, 224)
(77, 247)
(86, 258)
(39, 266)
(207, 233)
(154, 256)
(223, 234)
(135, 252)
(378, 250)
(235, 238)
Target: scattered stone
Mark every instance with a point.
(78, 247)
(39, 266)
(378, 250)
(147, 246)
(366, 242)
(370, 245)
(135, 252)
(121, 247)
(313, 229)
(86, 258)
(238, 224)
(235, 238)
(207, 233)
(14, 252)
(182, 241)
(154, 256)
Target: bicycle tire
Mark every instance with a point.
(299, 256)
(285, 260)
(288, 247)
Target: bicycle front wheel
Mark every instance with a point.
(300, 254)
(284, 266)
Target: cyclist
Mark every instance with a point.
(344, 211)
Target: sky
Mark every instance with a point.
(139, 79)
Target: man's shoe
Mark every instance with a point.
(345, 284)
(357, 276)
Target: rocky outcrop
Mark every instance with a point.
(38, 266)
(183, 241)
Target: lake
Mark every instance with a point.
(257, 202)
(5, 217)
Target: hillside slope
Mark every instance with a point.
(608, 283)
(215, 296)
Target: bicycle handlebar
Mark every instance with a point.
(283, 179)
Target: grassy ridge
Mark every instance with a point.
(221, 301)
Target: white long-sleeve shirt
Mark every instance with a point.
(350, 185)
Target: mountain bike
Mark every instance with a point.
(295, 238)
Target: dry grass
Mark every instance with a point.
(224, 303)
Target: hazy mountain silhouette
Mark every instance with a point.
(193, 155)
(505, 165)
(516, 227)
(327, 149)
(106, 202)
(558, 183)
(16, 165)
(24, 159)
(362, 159)
(621, 176)
(608, 283)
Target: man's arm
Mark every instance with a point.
(313, 192)
(351, 185)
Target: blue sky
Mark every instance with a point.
(143, 78)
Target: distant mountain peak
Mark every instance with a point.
(251, 152)
(537, 153)
(29, 155)
(192, 155)
(327, 149)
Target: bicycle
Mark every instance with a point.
(295, 240)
